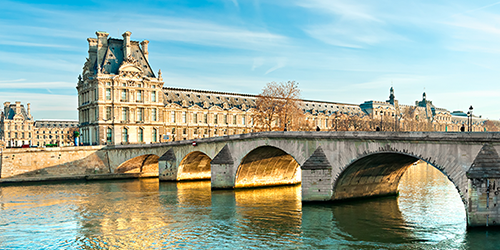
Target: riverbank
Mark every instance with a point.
(87, 177)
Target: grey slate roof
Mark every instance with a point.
(12, 112)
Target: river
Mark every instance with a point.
(146, 214)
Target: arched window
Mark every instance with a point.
(125, 135)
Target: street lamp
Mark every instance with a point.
(381, 114)
(469, 118)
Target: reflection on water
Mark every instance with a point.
(144, 214)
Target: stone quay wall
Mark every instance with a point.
(53, 162)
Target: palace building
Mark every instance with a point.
(121, 100)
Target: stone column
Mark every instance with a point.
(317, 177)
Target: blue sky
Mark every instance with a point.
(342, 51)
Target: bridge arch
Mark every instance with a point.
(378, 174)
(195, 166)
(267, 166)
(141, 164)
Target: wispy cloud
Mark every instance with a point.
(22, 84)
(351, 25)
(257, 62)
(281, 62)
(477, 9)
(344, 9)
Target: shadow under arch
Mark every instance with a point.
(267, 166)
(376, 174)
(195, 166)
(140, 164)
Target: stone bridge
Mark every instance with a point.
(335, 165)
(330, 165)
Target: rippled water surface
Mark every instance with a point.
(142, 214)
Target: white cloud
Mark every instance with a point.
(281, 62)
(257, 62)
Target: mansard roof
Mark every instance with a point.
(204, 98)
(11, 112)
(55, 123)
(232, 101)
(113, 57)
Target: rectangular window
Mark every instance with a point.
(234, 119)
(195, 118)
(205, 118)
(96, 114)
(172, 117)
(139, 95)
(225, 118)
(216, 120)
(153, 96)
(109, 135)
(243, 120)
(141, 135)
(183, 117)
(154, 135)
(124, 95)
(108, 113)
(153, 114)
(124, 114)
(125, 135)
(108, 94)
(140, 112)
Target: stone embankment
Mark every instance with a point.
(59, 164)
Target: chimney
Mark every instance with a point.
(144, 45)
(92, 49)
(29, 110)
(6, 106)
(18, 108)
(102, 46)
(126, 44)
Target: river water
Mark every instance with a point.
(146, 214)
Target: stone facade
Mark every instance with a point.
(121, 101)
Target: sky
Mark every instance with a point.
(345, 51)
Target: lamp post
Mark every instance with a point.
(469, 118)
(381, 115)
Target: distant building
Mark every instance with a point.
(60, 132)
(18, 128)
(16, 125)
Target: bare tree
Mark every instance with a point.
(278, 107)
